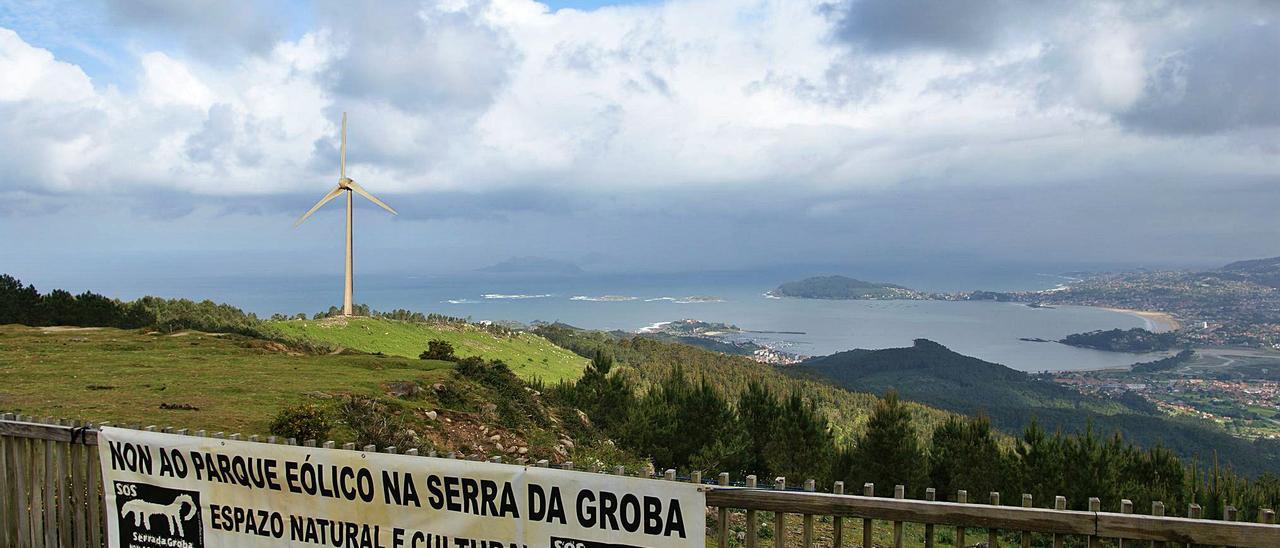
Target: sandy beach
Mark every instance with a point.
(1157, 322)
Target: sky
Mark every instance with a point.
(147, 137)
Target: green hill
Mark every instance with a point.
(528, 355)
(647, 361)
(840, 288)
(932, 374)
(1262, 271)
(222, 382)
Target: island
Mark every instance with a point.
(844, 288)
(1121, 340)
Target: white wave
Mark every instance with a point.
(698, 300)
(653, 328)
(604, 298)
(692, 299)
(516, 296)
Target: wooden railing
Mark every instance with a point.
(50, 495)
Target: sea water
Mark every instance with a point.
(988, 330)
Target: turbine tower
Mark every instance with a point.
(348, 186)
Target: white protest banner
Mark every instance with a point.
(165, 490)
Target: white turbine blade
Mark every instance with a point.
(331, 195)
(362, 192)
(342, 169)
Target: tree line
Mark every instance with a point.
(23, 304)
(685, 423)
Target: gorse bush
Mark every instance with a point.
(438, 350)
(307, 421)
(515, 402)
(375, 423)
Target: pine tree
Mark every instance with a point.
(758, 413)
(964, 455)
(888, 453)
(801, 445)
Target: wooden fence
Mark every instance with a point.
(51, 495)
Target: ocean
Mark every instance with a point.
(986, 330)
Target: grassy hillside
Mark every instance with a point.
(647, 361)
(529, 356)
(934, 375)
(237, 383)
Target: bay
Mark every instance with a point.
(986, 330)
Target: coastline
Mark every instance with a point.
(1157, 322)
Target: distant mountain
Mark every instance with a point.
(840, 288)
(932, 374)
(1262, 271)
(538, 266)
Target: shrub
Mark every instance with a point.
(373, 423)
(302, 422)
(438, 350)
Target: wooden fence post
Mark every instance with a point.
(753, 528)
(807, 535)
(780, 518)
(1194, 512)
(1025, 536)
(79, 500)
(1157, 509)
(723, 512)
(930, 494)
(7, 526)
(1095, 506)
(993, 535)
(837, 522)
(1267, 516)
(50, 491)
(962, 497)
(61, 457)
(1126, 507)
(868, 527)
(98, 518)
(1059, 503)
(22, 468)
(899, 491)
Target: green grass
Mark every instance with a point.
(237, 383)
(529, 356)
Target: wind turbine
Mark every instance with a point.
(348, 186)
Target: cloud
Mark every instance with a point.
(207, 28)
(887, 25)
(1222, 77)
(771, 121)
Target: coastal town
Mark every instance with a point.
(1245, 405)
(1215, 308)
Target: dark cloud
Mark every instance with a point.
(417, 56)
(1226, 78)
(885, 25)
(209, 28)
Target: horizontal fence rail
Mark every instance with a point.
(51, 495)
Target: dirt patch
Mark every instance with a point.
(66, 328)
